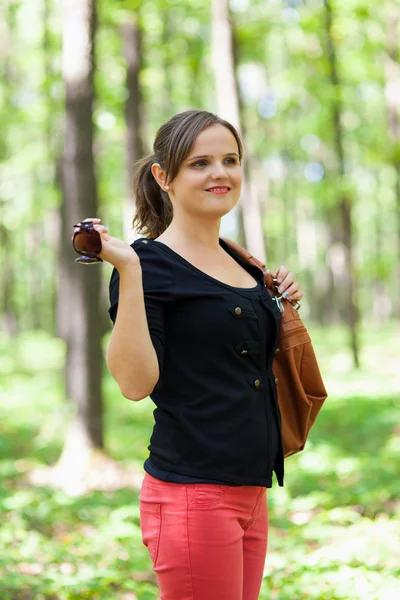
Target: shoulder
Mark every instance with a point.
(156, 266)
(153, 260)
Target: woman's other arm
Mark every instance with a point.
(131, 357)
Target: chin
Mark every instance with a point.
(218, 213)
(218, 208)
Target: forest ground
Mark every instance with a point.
(334, 527)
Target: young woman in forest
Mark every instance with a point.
(196, 330)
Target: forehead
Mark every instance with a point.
(215, 138)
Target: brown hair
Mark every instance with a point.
(173, 142)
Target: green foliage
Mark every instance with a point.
(334, 527)
(288, 108)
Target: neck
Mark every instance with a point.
(193, 233)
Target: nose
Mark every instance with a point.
(219, 171)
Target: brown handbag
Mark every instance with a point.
(301, 391)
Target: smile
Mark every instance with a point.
(219, 190)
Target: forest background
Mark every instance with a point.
(314, 86)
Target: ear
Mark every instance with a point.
(159, 176)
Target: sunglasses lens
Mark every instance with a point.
(78, 242)
(88, 242)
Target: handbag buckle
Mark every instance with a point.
(279, 303)
(278, 298)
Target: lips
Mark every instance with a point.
(219, 188)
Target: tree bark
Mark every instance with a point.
(167, 32)
(345, 217)
(131, 42)
(229, 109)
(9, 323)
(9, 311)
(79, 286)
(392, 75)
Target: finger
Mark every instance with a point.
(101, 228)
(296, 296)
(292, 289)
(289, 279)
(103, 231)
(95, 226)
(94, 220)
(281, 273)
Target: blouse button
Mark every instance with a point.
(276, 380)
(277, 350)
(244, 352)
(257, 383)
(238, 310)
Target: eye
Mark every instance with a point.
(230, 160)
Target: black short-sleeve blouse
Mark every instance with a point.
(216, 416)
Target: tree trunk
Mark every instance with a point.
(48, 76)
(9, 311)
(9, 323)
(131, 38)
(347, 275)
(392, 74)
(229, 109)
(79, 286)
(167, 31)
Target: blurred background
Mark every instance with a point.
(314, 87)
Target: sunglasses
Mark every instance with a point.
(87, 242)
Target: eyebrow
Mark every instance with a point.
(208, 156)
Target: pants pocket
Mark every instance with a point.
(150, 524)
(208, 495)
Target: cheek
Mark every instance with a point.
(195, 178)
(238, 179)
(237, 174)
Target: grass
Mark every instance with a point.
(334, 527)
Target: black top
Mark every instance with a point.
(216, 417)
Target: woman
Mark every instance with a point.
(196, 329)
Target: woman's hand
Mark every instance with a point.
(288, 286)
(115, 251)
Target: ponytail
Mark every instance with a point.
(153, 207)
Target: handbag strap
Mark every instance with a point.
(269, 281)
(248, 257)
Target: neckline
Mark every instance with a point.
(183, 260)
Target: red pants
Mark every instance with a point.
(206, 541)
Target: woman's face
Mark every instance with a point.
(209, 180)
